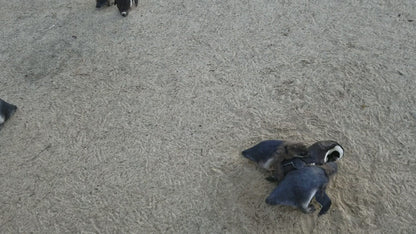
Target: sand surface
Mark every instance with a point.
(136, 124)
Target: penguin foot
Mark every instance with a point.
(272, 179)
(309, 209)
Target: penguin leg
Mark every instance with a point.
(272, 179)
(324, 200)
(304, 203)
(309, 209)
(136, 2)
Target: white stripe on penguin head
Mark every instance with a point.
(336, 148)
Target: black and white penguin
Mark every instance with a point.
(299, 187)
(125, 5)
(6, 111)
(265, 153)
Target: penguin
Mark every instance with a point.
(271, 153)
(266, 152)
(125, 5)
(6, 111)
(101, 3)
(300, 186)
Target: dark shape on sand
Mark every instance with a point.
(101, 3)
(299, 187)
(270, 154)
(125, 5)
(266, 153)
(6, 111)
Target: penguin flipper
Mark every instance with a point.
(324, 200)
(262, 151)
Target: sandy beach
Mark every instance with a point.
(136, 124)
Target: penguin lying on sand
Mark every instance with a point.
(6, 111)
(299, 187)
(125, 5)
(282, 156)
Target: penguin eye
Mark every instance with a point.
(334, 156)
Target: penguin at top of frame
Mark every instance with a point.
(124, 6)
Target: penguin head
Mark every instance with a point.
(325, 151)
(124, 6)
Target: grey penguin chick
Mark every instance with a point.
(266, 152)
(299, 187)
(271, 153)
(6, 111)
